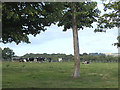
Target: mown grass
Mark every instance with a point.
(59, 75)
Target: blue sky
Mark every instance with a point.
(54, 40)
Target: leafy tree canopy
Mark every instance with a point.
(21, 19)
(86, 13)
(7, 53)
(111, 19)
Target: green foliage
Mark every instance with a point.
(0, 11)
(111, 19)
(99, 58)
(23, 18)
(86, 13)
(7, 54)
(118, 43)
(85, 54)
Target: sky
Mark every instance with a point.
(54, 40)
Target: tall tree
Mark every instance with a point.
(110, 19)
(76, 72)
(78, 15)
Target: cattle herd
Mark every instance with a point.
(42, 59)
(37, 59)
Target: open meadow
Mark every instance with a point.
(58, 75)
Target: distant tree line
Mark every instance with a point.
(8, 54)
(66, 58)
(99, 58)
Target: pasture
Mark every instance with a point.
(58, 75)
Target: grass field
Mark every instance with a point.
(58, 75)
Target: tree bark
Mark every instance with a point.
(76, 72)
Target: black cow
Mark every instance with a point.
(27, 59)
(49, 60)
(31, 59)
(40, 59)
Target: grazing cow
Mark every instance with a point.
(86, 62)
(24, 60)
(31, 59)
(27, 59)
(41, 59)
(49, 59)
(59, 59)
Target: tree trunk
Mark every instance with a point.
(76, 72)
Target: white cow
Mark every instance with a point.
(59, 59)
(24, 60)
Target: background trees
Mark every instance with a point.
(7, 54)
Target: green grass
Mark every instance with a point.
(59, 75)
